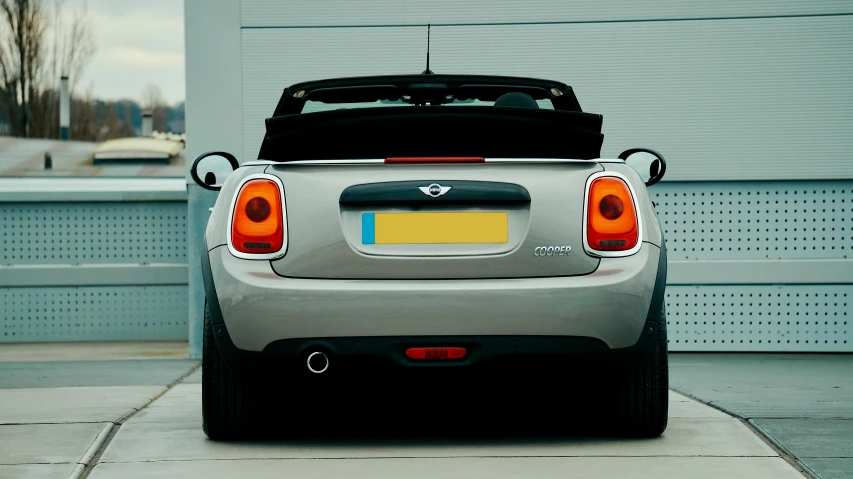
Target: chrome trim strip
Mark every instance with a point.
(264, 256)
(551, 160)
(259, 163)
(324, 162)
(611, 254)
(382, 161)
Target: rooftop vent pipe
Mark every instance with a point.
(147, 123)
(64, 110)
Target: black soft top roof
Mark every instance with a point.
(430, 131)
(395, 87)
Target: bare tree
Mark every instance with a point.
(20, 59)
(152, 99)
(117, 121)
(73, 44)
(72, 47)
(83, 110)
(31, 64)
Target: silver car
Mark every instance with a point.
(447, 223)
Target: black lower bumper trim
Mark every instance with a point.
(369, 353)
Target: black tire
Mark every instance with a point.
(228, 401)
(643, 395)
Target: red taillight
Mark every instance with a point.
(611, 217)
(436, 353)
(257, 225)
(461, 159)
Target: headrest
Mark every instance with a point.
(516, 99)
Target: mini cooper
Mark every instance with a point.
(438, 224)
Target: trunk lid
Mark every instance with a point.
(422, 221)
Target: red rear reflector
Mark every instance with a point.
(460, 159)
(436, 353)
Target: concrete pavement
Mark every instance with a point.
(56, 421)
(57, 408)
(165, 439)
(802, 402)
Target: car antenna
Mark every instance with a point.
(427, 72)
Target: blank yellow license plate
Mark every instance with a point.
(434, 228)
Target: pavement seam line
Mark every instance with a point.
(783, 452)
(112, 430)
(807, 471)
(162, 393)
(90, 453)
(77, 471)
(771, 442)
(770, 438)
(48, 423)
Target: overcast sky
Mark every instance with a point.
(138, 42)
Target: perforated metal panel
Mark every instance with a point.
(42, 233)
(760, 318)
(94, 313)
(756, 220)
(72, 233)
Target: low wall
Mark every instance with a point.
(753, 266)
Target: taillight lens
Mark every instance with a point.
(611, 217)
(257, 225)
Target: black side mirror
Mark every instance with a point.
(215, 167)
(649, 164)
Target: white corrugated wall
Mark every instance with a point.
(726, 90)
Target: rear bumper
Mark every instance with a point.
(606, 318)
(485, 353)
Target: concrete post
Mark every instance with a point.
(64, 110)
(214, 122)
(147, 123)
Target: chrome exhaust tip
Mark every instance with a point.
(318, 362)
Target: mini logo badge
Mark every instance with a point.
(435, 190)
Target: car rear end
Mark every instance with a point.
(505, 252)
(330, 267)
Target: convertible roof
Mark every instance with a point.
(414, 131)
(422, 86)
(421, 130)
